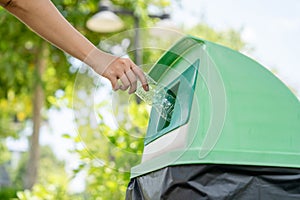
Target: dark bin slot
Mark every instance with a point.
(170, 98)
(180, 93)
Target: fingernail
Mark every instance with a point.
(117, 87)
(146, 87)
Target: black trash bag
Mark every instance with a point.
(193, 182)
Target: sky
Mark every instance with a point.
(271, 27)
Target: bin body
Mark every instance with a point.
(197, 182)
(233, 121)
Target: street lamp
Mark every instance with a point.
(106, 21)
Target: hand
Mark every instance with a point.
(127, 72)
(121, 72)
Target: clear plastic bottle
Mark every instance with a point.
(158, 97)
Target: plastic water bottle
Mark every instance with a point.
(158, 97)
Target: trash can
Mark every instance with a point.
(234, 132)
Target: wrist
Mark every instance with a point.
(99, 60)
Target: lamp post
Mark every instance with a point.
(106, 21)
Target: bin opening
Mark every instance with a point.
(168, 104)
(176, 103)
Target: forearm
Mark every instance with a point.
(43, 18)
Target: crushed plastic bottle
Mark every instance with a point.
(158, 97)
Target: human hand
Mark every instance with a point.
(125, 71)
(121, 72)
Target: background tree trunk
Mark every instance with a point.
(38, 102)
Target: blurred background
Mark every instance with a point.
(65, 135)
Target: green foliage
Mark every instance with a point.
(21, 49)
(8, 193)
(54, 189)
(21, 52)
(5, 154)
(52, 181)
(13, 113)
(109, 154)
(17, 174)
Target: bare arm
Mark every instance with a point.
(43, 18)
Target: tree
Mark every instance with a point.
(30, 74)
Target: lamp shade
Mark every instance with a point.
(105, 22)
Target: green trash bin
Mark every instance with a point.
(234, 131)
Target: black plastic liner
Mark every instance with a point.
(189, 182)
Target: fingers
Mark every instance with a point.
(125, 71)
(125, 82)
(129, 79)
(132, 78)
(114, 83)
(140, 74)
